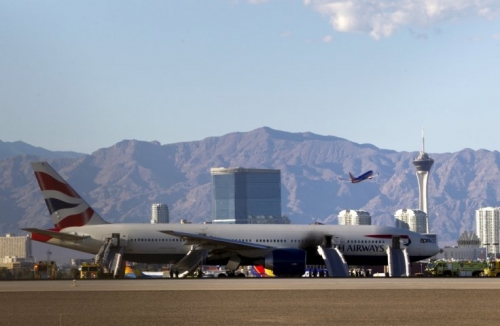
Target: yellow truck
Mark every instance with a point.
(455, 268)
(492, 269)
(90, 271)
(93, 271)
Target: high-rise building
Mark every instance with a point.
(354, 217)
(423, 164)
(159, 213)
(243, 196)
(18, 247)
(411, 219)
(488, 229)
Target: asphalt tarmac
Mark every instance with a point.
(350, 301)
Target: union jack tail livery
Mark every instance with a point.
(66, 207)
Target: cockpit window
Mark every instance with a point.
(425, 240)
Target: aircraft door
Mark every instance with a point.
(396, 242)
(115, 238)
(327, 241)
(124, 240)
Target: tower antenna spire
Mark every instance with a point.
(423, 140)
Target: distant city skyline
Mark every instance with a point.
(85, 76)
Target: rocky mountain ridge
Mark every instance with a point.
(11, 149)
(121, 182)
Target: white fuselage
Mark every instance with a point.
(146, 242)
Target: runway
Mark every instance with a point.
(243, 284)
(235, 301)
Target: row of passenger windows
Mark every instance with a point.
(156, 240)
(270, 240)
(248, 240)
(365, 241)
(243, 240)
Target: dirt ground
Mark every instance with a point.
(325, 307)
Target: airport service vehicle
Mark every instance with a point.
(94, 270)
(455, 268)
(284, 249)
(90, 271)
(45, 270)
(492, 268)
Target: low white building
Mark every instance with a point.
(468, 248)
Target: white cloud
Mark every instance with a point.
(327, 39)
(381, 18)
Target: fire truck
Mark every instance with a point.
(45, 270)
(455, 268)
(108, 263)
(492, 268)
(94, 270)
(90, 271)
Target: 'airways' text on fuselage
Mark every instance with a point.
(361, 248)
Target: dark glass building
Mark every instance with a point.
(246, 196)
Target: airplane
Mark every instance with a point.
(363, 177)
(283, 248)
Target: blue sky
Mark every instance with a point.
(83, 75)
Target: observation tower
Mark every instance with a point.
(423, 164)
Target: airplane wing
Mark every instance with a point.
(214, 242)
(57, 235)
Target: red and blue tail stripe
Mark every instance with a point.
(66, 207)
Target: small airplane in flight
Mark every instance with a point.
(363, 177)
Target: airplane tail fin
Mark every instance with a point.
(65, 206)
(351, 176)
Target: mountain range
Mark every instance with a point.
(9, 149)
(121, 182)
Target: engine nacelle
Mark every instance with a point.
(286, 262)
